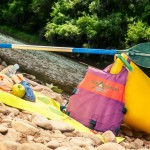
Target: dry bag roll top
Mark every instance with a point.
(98, 102)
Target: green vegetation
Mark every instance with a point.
(138, 32)
(91, 23)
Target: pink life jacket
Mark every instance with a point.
(98, 102)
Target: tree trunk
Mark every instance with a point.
(46, 66)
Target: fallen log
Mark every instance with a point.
(47, 66)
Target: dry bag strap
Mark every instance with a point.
(127, 65)
(92, 124)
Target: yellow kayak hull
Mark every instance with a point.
(137, 99)
(137, 95)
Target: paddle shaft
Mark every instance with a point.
(140, 53)
(61, 49)
(73, 50)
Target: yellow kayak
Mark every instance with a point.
(137, 99)
(137, 96)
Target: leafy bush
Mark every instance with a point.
(67, 31)
(137, 32)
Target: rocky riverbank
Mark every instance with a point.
(22, 130)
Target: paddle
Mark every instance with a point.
(140, 53)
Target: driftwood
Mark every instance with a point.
(46, 66)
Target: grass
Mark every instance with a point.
(20, 35)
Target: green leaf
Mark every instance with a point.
(54, 88)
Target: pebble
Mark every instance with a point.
(33, 146)
(53, 144)
(109, 136)
(24, 127)
(3, 129)
(110, 146)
